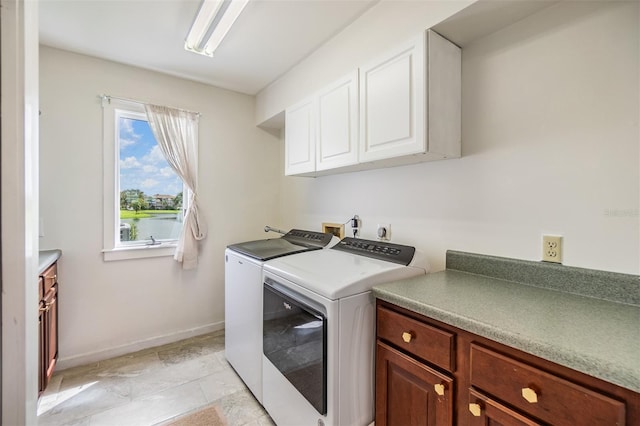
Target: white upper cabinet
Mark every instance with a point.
(410, 103)
(300, 138)
(404, 107)
(392, 103)
(337, 126)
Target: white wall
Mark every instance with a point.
(114, 307)
(550, 146)
(19, 88)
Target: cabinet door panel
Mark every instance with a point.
(51, 333)
(492, 413)
(337, 142)
(48, 326)
(389, 102)
(300, 145)
(405, 391)
(41, 348)
(392, 104)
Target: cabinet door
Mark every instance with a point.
(410, 393)
(41, 338)
(483, 411)
(337, 137)
(299, 138)
(392, 103)
(51, 334)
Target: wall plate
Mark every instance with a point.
(336, 229)
(552, 248)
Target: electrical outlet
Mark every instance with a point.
(384, 232)
(552, 248)
(356, 223)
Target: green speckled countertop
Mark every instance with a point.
(47, 258)
(591, 335)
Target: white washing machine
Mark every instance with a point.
(243, 297)
(319, 330)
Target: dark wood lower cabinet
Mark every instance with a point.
(408, 391)
(48, 320)
(431, 373)
(51, 341)
(41, 334)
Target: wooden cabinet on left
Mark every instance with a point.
(48, 320)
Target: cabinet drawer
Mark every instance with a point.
(417, 338)
(50, 277)
(40, 288)
(540, 394)
(485, 411)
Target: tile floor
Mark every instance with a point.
(151, 387)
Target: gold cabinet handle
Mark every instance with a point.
(407, 336)
(475, 409)
(439, 388)
(530, 395)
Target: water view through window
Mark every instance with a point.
(150, 191)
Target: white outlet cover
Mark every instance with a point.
(552, 248)
(383, 232)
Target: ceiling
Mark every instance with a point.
(268, 39)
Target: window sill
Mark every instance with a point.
(138, 252)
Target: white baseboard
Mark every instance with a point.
(91, 357)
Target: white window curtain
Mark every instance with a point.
(176, 132)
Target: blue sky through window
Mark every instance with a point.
(142, 165)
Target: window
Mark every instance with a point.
(143, 197)
(150, 192)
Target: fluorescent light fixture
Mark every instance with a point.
(212, 23)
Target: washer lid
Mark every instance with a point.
(269, 249)
(335, 274)
(295, 241)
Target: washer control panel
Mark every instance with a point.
(308, 238)
(377, 250)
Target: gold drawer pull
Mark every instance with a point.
(475, 409)
(530, 395)
(407, 336)
(439, 388)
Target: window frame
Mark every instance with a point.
(112, 250)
